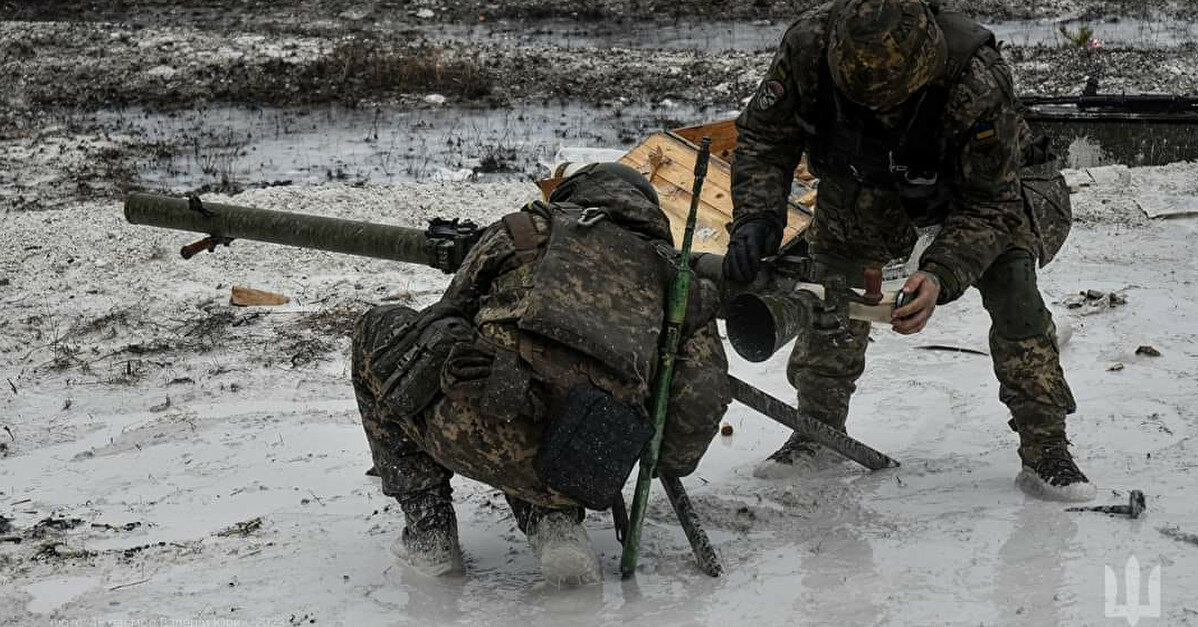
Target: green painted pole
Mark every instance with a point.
(668, 350)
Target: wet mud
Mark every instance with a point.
(100, 98)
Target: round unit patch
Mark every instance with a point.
(771, 93)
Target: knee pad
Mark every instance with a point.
(1010, 295)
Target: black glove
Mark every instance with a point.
(750, 241)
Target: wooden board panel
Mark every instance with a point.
(723, 142)
(668, 161)
(722, 134)
(669, 164)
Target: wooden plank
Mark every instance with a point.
(723, 141)
(669, 165)
(722, 134)
(243, 296)
(547, 185)
(801, 203)
(711, 232)
(673, 178)
(667, 159)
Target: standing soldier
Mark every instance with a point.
(907, 115)
(532, 373)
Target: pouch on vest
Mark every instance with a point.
(1046, 199)
(415, 361)
(591, 445)
(507, 389)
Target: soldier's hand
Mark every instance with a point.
(923, 290)
(749, 243)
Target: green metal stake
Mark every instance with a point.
(668, 350)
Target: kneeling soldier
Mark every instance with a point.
(532, 373)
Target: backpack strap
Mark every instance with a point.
(964, 37)
(524, 236)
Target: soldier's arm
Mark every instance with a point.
(769, 144)
(988, 207)
(479, 268)
(699, 396)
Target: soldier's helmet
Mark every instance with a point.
(620, 171)
(881, 52)
(624, 195)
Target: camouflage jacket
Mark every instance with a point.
(980, 131)
(492, 288)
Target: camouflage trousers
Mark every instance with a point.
(824, 369)
(422, 452)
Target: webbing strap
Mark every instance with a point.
(524, 235)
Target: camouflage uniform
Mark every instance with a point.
(491, 289)
(986, 240)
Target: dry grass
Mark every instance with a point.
(336, 321)
(363, 66)
(357, 69)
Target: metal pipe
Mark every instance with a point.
(337, 235)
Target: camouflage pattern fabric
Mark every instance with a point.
(399, 460)
(527, 514)
(981, 126)
(883, 51)
(824, 369)
(459, 435)
(1024, 349)
(629, 295)
(1046, 194)
(455, 435)
(985, 238)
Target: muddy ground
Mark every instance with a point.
(350, 11)
(178, 60)
(63, 65)
(167, 456)
(169, 459)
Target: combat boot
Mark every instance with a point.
(562, 547)
(1049, 471)
(797, 456)
(429, 542)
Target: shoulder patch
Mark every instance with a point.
(984, 132)
(771, 93)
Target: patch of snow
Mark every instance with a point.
(584, 154)
(253, 432)
(51, 594)
(162, 71)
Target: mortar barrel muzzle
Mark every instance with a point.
(759, 325)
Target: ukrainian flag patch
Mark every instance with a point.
(983, 131)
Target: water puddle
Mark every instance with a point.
(1146, 33)
(52, 594)
(232, 147)
(248, 146)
